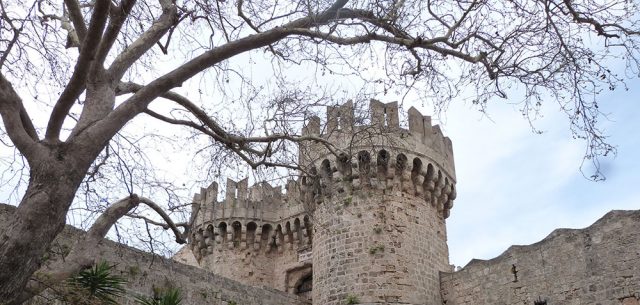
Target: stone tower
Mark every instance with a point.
(379, 207)
(365, 223)
(255, 235)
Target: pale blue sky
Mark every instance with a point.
(515, 187)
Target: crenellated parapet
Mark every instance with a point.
(379, 155)
(260, 218)
(367, 213)
(383, 170)
(382, 128)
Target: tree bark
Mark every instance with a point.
(39, 218)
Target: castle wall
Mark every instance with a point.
(380, 248)
(379, 197)
(260, 256)
(144, 271)
(253, 235)
(597, 265)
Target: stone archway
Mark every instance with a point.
(304, 287)
(299, 281)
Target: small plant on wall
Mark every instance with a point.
(169, 296)
(96, 285)
(351, 299)
(376, 249)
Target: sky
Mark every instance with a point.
(515, 187)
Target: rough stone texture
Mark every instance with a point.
(598, 265)
(145, 271)
(255, 235)
(379, 211)
(366, 225)
(380, 248)
(260, 236)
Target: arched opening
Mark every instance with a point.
(288, 232)
(415, 170)
(344, 164)
(364, 162)
(383, 163)
(304, 287)
(401, 162)
(208, 236)
(265, 243)
(222, 232)
(237, 233)
(325, 169)
(309, 228)
(279, 236)
(251, 233)
(296, 230)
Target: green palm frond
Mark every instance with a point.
(99, 283)
(170, 296)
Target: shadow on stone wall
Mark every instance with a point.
(145, 271)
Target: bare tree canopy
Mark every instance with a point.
(92, 68)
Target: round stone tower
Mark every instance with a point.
(378, 196)
(256, 235)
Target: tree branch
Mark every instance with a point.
(116, 22)
(146, 41)
(427, 44)
(77, 82)
(214, 130)
(75, 14)
(16, 120)
(181, 237)
(82, 255)
(157, 223)
(579, 19)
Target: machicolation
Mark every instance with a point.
(365, 224)
(375, 186)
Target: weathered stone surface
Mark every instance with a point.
(144, 271)
(401, 182)
(596, 265)
(366, 225)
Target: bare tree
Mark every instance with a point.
(96, 61)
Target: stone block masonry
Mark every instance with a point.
(366, 224)
(145, 271)
(599, 265)
(379, 206)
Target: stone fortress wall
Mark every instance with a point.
(146, 273)
(256, 235)
(372, 206)
(380, 195)
(598, 265)
(365, 224)
(399, 185)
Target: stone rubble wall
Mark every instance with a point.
(146, 272)
(598, 265)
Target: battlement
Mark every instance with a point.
(422, 138)
(256, 217)
(407, 173)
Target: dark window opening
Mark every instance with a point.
(305, 287)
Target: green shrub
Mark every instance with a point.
(169, 296)
(98, 283)
(352, 299)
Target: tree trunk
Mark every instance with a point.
(39, 218)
